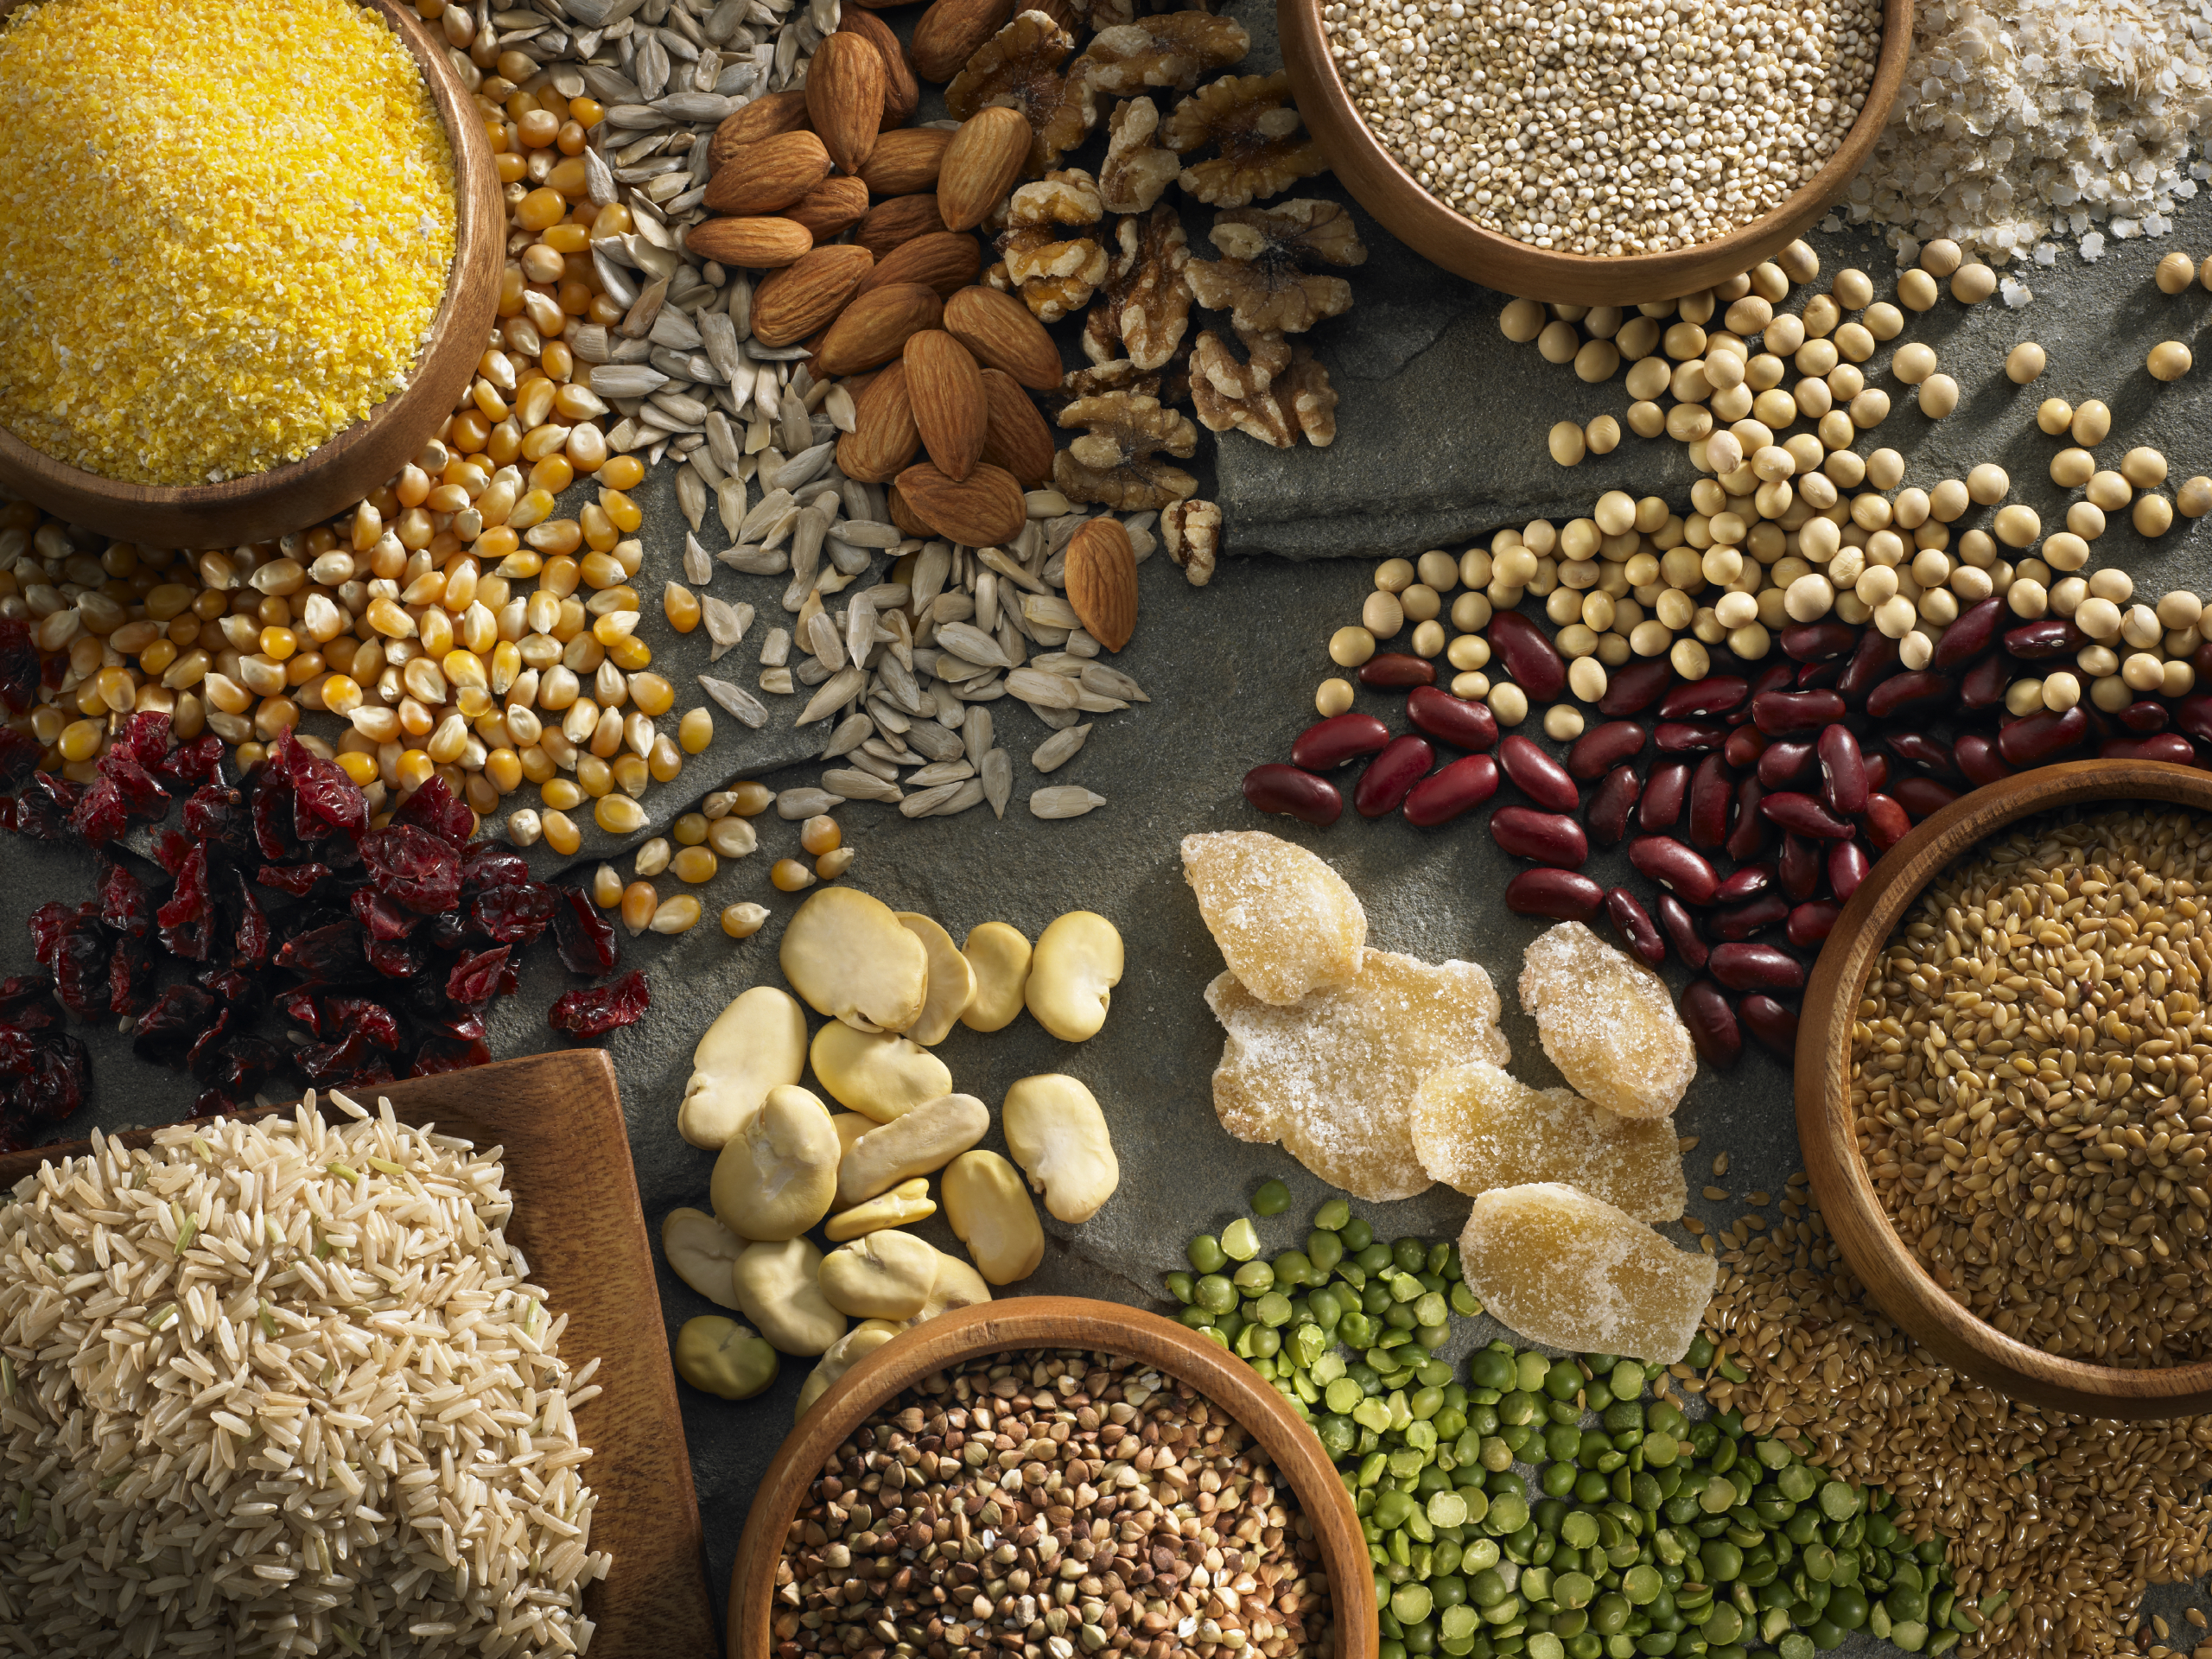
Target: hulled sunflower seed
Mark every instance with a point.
(996, 769)
(1042, 690)
(1091, 703)
(738, 700)
(848, 735)
(726, 623)
(836, 691)
(795, 804)
(1058, 749)
(698, 564)
(755, 561)
(778, 681)
(940, 772)
(964, 795)
(821, 638)
(612, 380)
(854, 785)
(900, 684)
(971, 644)
(976, 733)
(1112, 683)
(923, 803)
(937, 741)
(1064, 801)
(776, 649)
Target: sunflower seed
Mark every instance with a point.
(766, 517)
(970, 644)
(860, 532)
(1112, 683)
(697, 106)
(887, 718)
(756, 560)
(1047, 503)
(989, 688)
(856, 785)
(1058, 749)
(839, 690)
(1058, 720)
(889, 751)
(738, 700)
(900, 684)
(1091, 703)
(1142, 542)
(1041, 691)
(1048, 611)
(726, 623)
(806, 802)
(940, 772)
(850, 733)
(932, 566)
(923, 803)
(860, 629)
(1064, 801)
(821, 638)
(934, 741)
(875, 764)
(987, 603)
(804, 468)
(1079, 644)
(964, 795)
(627, 380)
(996, 769)
(975, 733)
(777, 681)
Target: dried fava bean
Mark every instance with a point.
(951, 981)
(999, 957)
(1606, 1023)
(840, 1357)
(1475, 1127)
(778, 1288)
(880, 1275)
(1571, 1271)
(958, 1285)
(1057, 1133)
(990, 1212)
(880, 1075)
(902, 1205)
(1285, 921)
(847, 955)
(777, 1176)
(917, 1142)
(1072, 971)
(1293, 793)
(756, 1043)
(702, 1251)
(720, 1356)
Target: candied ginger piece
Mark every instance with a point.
(1606, 1022)
(1570, 1271)
(1287, 924)
(1332, 1075)
(1476, 1126)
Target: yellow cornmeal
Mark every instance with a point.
(224, 230)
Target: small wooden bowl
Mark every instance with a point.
(1379, 184)
(1893, 1276)
(349, 464)
(1052, 1322)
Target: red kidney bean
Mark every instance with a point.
(1444, 794)
(1886, 824)
(1877, 772)
(1748, 839)
(1747, 883)
(1536, 775)
(1295, 794)
(1528, 655)
(1870, 665)
(1774, 1025)
(1847, 867)
(1903, 691)
(1687, 737)
(1818, 642)
(1978, 759)
(1795, 811)
(1712, 794)
(1543, 837)
(1327, 744)
(1716, 694)
(1968, 637)
(2193, 714)
(1843, 772)
(1634, 687)
(1611, 803)
(1664, 794)
(2171, 746)
(1741, 921)
(1983, 685)
(1391, 775)
(2145, 716)
(2032, 741)
(1918, 750)
(1811, 922)
(1680, 929)
(1789, 760)
(1784, 714)
(1563, 895)
(1799, 868)
(1601, 748)
(1756, 968)
(1922, 796)
(2200, 659)
(1686, 873)
(1819, 677)
(2052, 636)
(1456, 720)
(1634, 924)
(1394, 670)
(1744, 747)
(1711, 1024)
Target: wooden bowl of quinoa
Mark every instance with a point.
(1515, 44)
(2033, 1138)
(231, 311)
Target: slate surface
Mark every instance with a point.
(1442, 440)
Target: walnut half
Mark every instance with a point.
(1262, 282)
(1049, 260)
(1192, 532)
(1019, 67)
(1135, 169)
(1275, 395)
(1248, 120)
(1173, 50)
(1116, 463)
(1146, 305)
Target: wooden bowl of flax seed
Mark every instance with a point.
(2003, 1108)
(791, 1518)
(351, 460)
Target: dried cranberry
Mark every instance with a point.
(101, 813)
(42, 808)
(188, 919)
(413, 867)
(299, 1008)
(216, 814)
(20, 753)
(515, 915)
(394, 958)
(227, 985)
(375, 1022)
(475, 979)
(328, 955)
(434, 807)
(596, 1011)
(125, 908)
(49, 922)
(298, 880)
(253, 937)
(449, 931)
(46, 1076)
(487, 865)
(323, 793)
(167, 1031)
(584, 939)
(273, 832)
(381, 917)
(19, 664)
(328, 1063)
(81, 968)
(443, 1054)
(27, 1003)
(142, 796)
(194, 762)
(129, 976)
(205, 1059)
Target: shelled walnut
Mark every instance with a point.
(1136, 169)
(1229, 394)
(1144, 307)
(1171, 50)
(1169, 386)
(1313, 400)
(1046, 260)
(1116, 463)
(1192, 532)
(1019, 68)
(1262, 280)
(1249, 119)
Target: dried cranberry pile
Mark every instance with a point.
(1770, 790)
(376, 951)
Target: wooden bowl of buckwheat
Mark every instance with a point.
(1572, 158)
(2001, 1086)
(1086, 1475)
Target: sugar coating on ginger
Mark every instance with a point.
(1332, 1076)
(1570, 1271)
(1607, 1023)
(1287, 924)
(1477, 1127)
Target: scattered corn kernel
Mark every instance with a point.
(789, 875)
(821, 835)
(743, 921)
(640, 901)
(652, 857)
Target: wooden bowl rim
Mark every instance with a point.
(1872, 1246)
(473, 241)
(1643, 274)
(1054, 1322)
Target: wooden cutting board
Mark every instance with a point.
(578, 1224)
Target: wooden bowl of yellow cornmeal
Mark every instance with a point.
(248, 260)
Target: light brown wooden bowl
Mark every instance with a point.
(1379, 184)
(1893, 1276)
(1052, 1322)
(350, 464)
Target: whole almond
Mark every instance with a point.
(1101, 579)
(764, 118)
(947, 261)
(874, 328)
(1000, 331)
(759, 243)
(903, 515)
(902, 93)
(884, 439)
(844, 97)
(985, 509)
(951, 30)
(900, 220)
(1014, 434)
(767, 177)
(905, 161)
(946, 390)
(831, 208)
(807, 293)
(981, 164)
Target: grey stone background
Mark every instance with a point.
(1442, 426)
